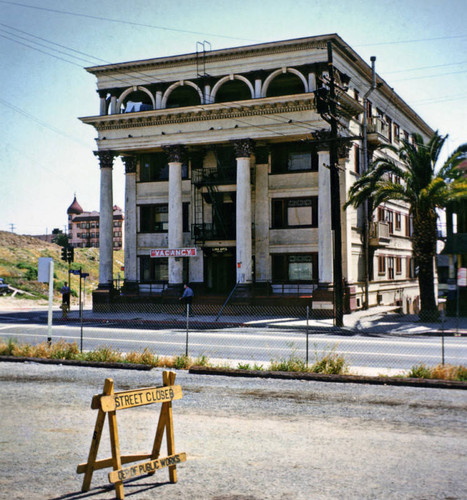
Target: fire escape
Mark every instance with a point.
(213, 203)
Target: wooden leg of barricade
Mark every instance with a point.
(115, 448)
(169, 379)
(96, 438)
(165, 423)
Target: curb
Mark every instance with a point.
(320, 377)
(73, 362)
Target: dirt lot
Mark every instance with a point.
(246, 439)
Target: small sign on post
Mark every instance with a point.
(462, 276)
(108, 403)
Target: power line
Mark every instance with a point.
(146, 78)
(121, 21)
(43, 51)
(51, 43)
(40, 122)
(424, 67)
(429, 76)
(397, 42)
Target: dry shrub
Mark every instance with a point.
(105, 354)
(449, 372)
(440, 372)
(143, 358)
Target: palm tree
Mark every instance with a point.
(425, 188)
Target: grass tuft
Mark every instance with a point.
(440, 372)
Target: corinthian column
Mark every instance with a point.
(130, 220)
(243, 150)
(106, 220)
(176, 156)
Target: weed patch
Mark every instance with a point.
(440, 372)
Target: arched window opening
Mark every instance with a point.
(285, 84)
(233, 90)
(136, 101)
(183, 96)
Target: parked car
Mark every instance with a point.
(4, 288)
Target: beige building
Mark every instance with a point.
(227, 153)
(84, 230)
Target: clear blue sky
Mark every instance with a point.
(46, 152)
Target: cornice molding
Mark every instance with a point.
(201, 113)
(217, 55)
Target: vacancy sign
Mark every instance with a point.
(173, 252)
(462, 276)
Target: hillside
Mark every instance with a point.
(19, 259)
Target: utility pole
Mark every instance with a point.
(335, 198)
(12, 227)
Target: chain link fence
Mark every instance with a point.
(239, 335)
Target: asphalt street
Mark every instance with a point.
(245, 344)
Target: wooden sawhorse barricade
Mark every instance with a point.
(108, 403)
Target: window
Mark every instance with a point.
(295, 267)
(389, 122)
(398, 217)
(369, 109)
(356, 95)
(396, 131)
(391, 268)
(155, 167)
(357, 159)
(293, 157)
(381, 265)
(410, 267)
(386, 215)
(408, 225)
(154, 269)
(399, 265)
(155, 218)
(295, 212)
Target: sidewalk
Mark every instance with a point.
(381, 319)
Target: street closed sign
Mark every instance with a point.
(173, 252)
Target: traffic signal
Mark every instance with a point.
(64, 254)
(70, 254)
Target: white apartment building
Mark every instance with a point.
(226, 152)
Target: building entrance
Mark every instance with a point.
(220, 273)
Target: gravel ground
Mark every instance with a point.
(245, 439)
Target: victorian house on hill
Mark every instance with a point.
(84, 230)
(227, 153)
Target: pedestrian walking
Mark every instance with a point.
(65, 291)
(187, 297)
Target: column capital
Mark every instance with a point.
(243, 147)
(106, 158)
(177, 153)
(130, 164)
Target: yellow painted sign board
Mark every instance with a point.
(108, 403)
(146, 468)
(138, 397)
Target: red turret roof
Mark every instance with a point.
(75, 207)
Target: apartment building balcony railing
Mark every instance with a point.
(377, 131)
(379, 234)
(213, 176)
(209, 231)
